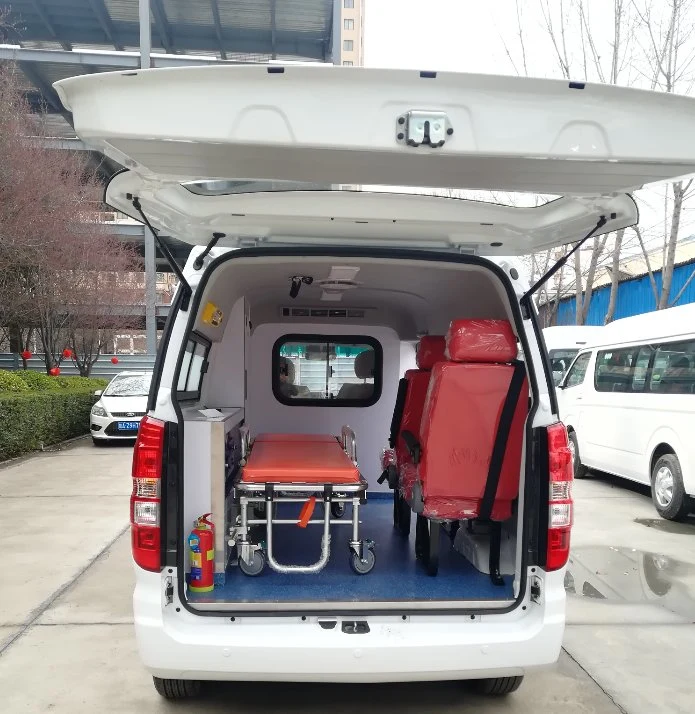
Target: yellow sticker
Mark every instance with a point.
(212, 315)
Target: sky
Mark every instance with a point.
(470, 36)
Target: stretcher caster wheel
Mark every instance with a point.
(362, 565)
(255, 567)
(337, 509)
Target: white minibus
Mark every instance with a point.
(629, 405)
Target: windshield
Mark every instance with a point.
(132, 385)
(560, 361)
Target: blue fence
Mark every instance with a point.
(635, 297)
(101, 368)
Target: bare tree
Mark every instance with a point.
(615, 276)
(669, 52)
(49, 251)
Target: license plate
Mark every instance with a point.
(128, 425)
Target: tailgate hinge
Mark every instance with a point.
(423, 128)
(168, 591)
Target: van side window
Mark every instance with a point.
(641, 371)
(192, 367)
(322, 370)
(578, 370)
(614, 370)
(674, 369)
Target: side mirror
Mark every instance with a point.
(98, 393)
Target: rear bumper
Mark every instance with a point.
(421, 648)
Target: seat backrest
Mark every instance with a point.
(430, 350)
(364, 369)
(466, 403)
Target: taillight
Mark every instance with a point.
(145, 500)
(560, 497)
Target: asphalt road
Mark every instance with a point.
(67, 643)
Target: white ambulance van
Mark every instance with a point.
(340, 364)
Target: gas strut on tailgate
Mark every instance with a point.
(561, 261)
(185, 287)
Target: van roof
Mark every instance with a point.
(674, 322)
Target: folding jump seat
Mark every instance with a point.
(410, 402)
(465, 459)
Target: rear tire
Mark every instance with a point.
(176, 688)
(668, 493)
(498, 686)
(580, 471)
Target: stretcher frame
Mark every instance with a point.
(252, 557)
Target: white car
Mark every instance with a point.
(116, 416)
(297, 314)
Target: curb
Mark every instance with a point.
(60, 446)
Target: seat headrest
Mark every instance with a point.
(287, 368)
(364, 364)
(430, 350)
(481, 341)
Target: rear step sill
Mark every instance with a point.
(398, 608)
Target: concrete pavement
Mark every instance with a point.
(68, 645)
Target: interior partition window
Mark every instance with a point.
(325, 371)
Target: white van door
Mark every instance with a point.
(570, 395)
(197, 139)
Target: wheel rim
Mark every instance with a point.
(663, 486)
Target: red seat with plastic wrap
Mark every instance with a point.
(466, 458)
(430, 351)
(407, 414)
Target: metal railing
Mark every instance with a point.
(103, 367)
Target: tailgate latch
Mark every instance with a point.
(535, 589)
(169, 591)
(423, 128)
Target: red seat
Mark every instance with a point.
(472, 429)
(430, 350)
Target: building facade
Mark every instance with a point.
(352, 33)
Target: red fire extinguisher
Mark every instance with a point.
(201, 544)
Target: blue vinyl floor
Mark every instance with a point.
(397, 575)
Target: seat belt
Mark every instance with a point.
(500, 446)
(495, 469)
(398, 411)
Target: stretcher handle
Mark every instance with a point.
(307, 512)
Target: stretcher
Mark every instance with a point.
(299, 468)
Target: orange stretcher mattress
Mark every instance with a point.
(295, 437)
(299, 462)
